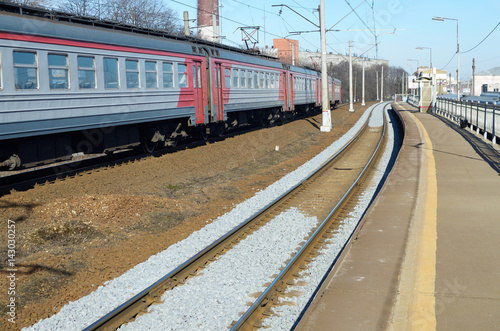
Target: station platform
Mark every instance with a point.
(427, 253)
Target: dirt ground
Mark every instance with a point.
(75, 234)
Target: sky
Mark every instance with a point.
(412, 20)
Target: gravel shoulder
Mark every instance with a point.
(76, 234)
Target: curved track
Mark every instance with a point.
(325, 194)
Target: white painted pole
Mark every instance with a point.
(363, 83)
(327, 118)
(382, 85)
(351, 109)
(186, 23)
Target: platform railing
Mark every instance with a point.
(413, 100)
(483, 118)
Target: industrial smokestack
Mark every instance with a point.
(208, 20)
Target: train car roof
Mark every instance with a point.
(303, 70)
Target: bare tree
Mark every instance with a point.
(392, 80)
(80, 7)
(151, 14)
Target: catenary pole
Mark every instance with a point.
(351, 109)
(327, 118)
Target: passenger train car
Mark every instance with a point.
(77, 85)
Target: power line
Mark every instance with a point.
(483, 39)
(360, 18)
(449, 61)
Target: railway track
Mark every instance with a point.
(327, 194)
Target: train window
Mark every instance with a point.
(132, 72)
(58, 71)
(151, 80)
(261, 80)
(266, 80)
(255, 79)
(168, 75)
(86, 72)
(249, 79)
(242, 78)
(182, 75)
(196, 79)
(25, 70)
(111, 73)
(227, 76)
(235, 77)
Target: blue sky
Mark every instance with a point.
(411, 18)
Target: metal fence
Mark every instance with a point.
(413, 100)
(483, 118)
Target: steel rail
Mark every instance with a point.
(141, 301)
(252, 319)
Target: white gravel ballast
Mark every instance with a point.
(187, 311)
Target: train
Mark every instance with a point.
(491, 98)
(72, 84)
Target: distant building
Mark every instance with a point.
(489, 78)
(313, 60)
(287, 50)
(490, 88)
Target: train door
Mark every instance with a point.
(198, 92)
(291, 89)
(218, 93)
(284, 89)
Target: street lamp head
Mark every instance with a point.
(438, 19)
(419, 48)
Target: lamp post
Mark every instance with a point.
(417, 63)
(430, 49)
(458, 52)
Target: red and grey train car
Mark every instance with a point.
(70, 84)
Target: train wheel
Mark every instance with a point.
(172, 142)
(149, 147)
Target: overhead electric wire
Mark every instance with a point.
(373, 32)
(446, 65)
(482, 40)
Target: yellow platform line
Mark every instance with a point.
(415, 306)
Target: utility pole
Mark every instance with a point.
(186, 23)
(327, 118)
(376, 80)
(473, 76)
(363, 82)
(351, 109)
(382, 85)
(403, 83)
